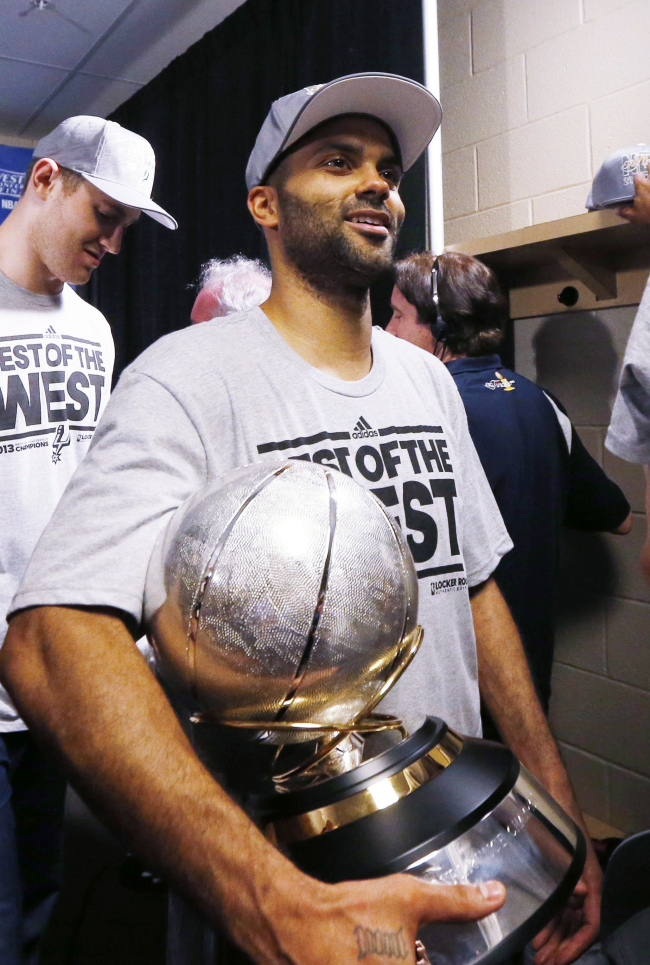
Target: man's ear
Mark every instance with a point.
(44, 175)
(263, 205)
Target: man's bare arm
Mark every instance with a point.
(508, 690)
(81, 685)
(625, 527)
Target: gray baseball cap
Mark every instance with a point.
(614, 181)
(114, 159)
(410, 111)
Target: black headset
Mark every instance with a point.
(439, 328)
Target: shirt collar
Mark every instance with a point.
(474, 364)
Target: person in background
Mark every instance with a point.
(628, 435)
(542, 476)
(88, 181)
(231, 285)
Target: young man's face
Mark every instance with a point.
(405, 323)
(76, 229)
(339, 206)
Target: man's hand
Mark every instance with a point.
(575, 928)
(639, 211)
(508, 690)
(375, 921)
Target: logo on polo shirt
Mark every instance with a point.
(508, 385)
(363, 430)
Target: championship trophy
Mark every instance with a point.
(282, 602)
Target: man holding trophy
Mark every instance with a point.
(302, 377)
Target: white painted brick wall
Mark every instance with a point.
(561, 73)
(621, 46)
(534, 159)
(492, 222)
(448, 9)
(543, 90)
(619, 120)
(484, 105)
(455, 56)
(596, 59)
(460, 169)
(503, 28)
(560, 204)
(598, 8)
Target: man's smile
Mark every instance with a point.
(375, 224)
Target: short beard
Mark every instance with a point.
(318, 249)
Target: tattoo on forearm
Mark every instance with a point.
(386, 943)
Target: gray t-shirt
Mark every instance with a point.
(56, 364)
(628, 435)
(229, 392)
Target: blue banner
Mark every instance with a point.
(14, 161)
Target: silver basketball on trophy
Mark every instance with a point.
(282, 594)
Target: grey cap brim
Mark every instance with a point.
(410, 110)
(132, 199)
(610, 203)
(613, 202)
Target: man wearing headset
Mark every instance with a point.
(542, 476)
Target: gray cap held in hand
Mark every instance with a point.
(117, 161)
(410, 111)
(614, 181)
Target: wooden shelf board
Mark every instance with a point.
(597, 245)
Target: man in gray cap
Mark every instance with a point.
(305, 376)
(89, 179)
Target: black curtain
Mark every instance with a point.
(202, 114)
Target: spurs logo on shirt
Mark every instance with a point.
(61, 440)
(425, 507)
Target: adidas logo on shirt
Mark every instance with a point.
(363, 430)
(50, 331)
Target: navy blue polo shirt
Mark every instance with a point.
(542, 478)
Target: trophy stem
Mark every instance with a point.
(365, 722)
(410, 646)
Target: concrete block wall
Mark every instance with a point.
(600, 708)
(536, 94)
